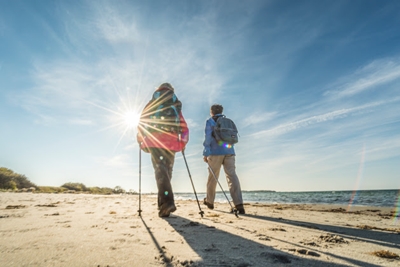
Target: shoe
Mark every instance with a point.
(166, 209)
(240, 209)
(210, 206)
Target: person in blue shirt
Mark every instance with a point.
(218, 154)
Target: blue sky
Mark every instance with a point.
(313, 86)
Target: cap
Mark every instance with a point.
(167, 86)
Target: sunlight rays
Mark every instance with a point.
(143, 127)
(125, 118)
(131, 119)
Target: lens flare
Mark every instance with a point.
(396, 214)
(221, 143)
(353, 198)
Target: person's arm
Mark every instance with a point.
(184, 130)
(208, 138)
(141, 133)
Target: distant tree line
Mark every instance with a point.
(13, 181)
(79, 187)
(9, 180)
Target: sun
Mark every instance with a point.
(131, 119)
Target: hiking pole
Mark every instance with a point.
(194, 190)
(234, 210)
(140, 181)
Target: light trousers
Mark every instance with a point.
(228, 161)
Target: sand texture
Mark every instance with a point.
(96, 230)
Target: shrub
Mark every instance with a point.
(75, 186)
(119, 190)
(50, 189)
(11, 180)
(101, 190)
(12, 185)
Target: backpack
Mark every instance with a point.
(162, 112)
(225, 130)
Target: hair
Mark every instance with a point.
(217, 109)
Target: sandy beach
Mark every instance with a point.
(98, 230)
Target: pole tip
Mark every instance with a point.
(235, 211)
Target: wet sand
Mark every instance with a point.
(96, 230)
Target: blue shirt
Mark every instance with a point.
(211, 146)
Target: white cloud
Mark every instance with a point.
(288, 127)
(113, 28)
(74, 86)
(192, 124)
(329, 116)
(43, 119)
(371, 76)
(258, 118)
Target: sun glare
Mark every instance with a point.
(131, 119)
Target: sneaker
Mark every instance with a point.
(240, 209)
(166, 209)
(210, 206)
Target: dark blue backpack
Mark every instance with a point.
(225, 130)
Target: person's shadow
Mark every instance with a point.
(215, 247)
(387, 239)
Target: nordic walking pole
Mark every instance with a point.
(215, 177)
(140, 182)
(194, 190)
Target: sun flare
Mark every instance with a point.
(131, 119)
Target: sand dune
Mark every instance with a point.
(95, 230)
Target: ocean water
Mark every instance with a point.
(373, 198)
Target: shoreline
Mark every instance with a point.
(375, 198)
(99, 230)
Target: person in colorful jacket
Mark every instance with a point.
(162, 142)
(216, 155)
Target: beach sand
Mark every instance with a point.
(97, 230)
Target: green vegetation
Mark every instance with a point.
(9, 180)
(51, 189)
(79, 187)
(75, 186)
(101, 190)
(13, 181)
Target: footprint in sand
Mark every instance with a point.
(307, 252)
(9, 207)
(54, 214)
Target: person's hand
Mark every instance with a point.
(139, 139)
(205, 159)
(183, 149)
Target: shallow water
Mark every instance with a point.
(378, 198)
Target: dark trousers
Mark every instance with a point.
(163, 163)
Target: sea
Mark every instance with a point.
(372, 198)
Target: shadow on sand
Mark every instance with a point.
(220, 248)
(387, 239)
